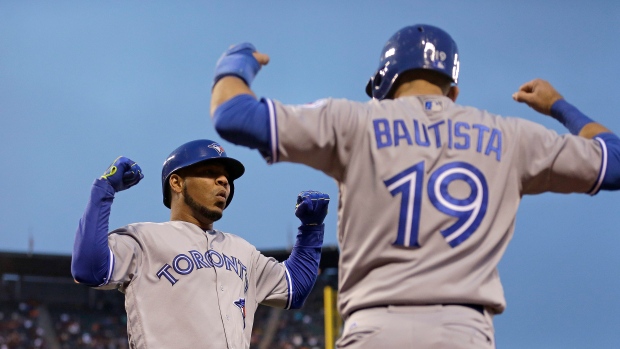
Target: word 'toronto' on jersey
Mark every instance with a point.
(182, 264)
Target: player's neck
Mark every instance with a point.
(423, 87)
(179, 215)
(417, 87)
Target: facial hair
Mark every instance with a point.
(200, 209)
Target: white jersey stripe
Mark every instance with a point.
(290, 287)
(273, 129)
(110, 269)
(601, 173)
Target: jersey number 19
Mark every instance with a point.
(468, 211)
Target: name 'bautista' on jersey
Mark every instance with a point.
(460, 135)
(183, 264)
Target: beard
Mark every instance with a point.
(200, 209)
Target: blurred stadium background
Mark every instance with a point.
(42, 307)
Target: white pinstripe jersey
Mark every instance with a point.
(187, 288)
(429, 191)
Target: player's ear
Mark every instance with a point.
(176, 183)
(453, 93)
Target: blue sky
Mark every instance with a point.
(84, 82)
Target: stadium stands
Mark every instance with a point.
(19, 326)
(104, 327)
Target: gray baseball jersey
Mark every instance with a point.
(429, 191)
(187, 288)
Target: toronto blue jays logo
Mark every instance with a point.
(218, 148)
(240, 303)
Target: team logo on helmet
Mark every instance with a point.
(218, 148)
(435, 57)
(240, 303)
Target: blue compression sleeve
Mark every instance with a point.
(611, 145)
(303, 263)
(573, 119)
(92, 260)
(243, 120)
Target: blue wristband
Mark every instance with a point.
(237, 61)
(573, 119)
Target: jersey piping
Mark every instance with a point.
(110, 269)
(274, 133)
(289, 302)
(601, 173)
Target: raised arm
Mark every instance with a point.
(92, 261)
(237, 115)
(303, 263)
(287, 284)
(541, 96)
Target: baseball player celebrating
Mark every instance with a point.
(186, 284)
(429, 189)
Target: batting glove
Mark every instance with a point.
(123, 174)
(237, 61)
(311, 207)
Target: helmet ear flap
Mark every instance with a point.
(230, 195)
(377, 80)
(369, 87)
(374, 84)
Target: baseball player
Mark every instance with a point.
(429, 189)
(186, 284)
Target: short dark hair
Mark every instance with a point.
(435, 78)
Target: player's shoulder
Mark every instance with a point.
(150, 225)
(517, 124)
(487, 117)
(324, 103)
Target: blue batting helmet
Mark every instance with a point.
(418, 46)
(191, 153)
